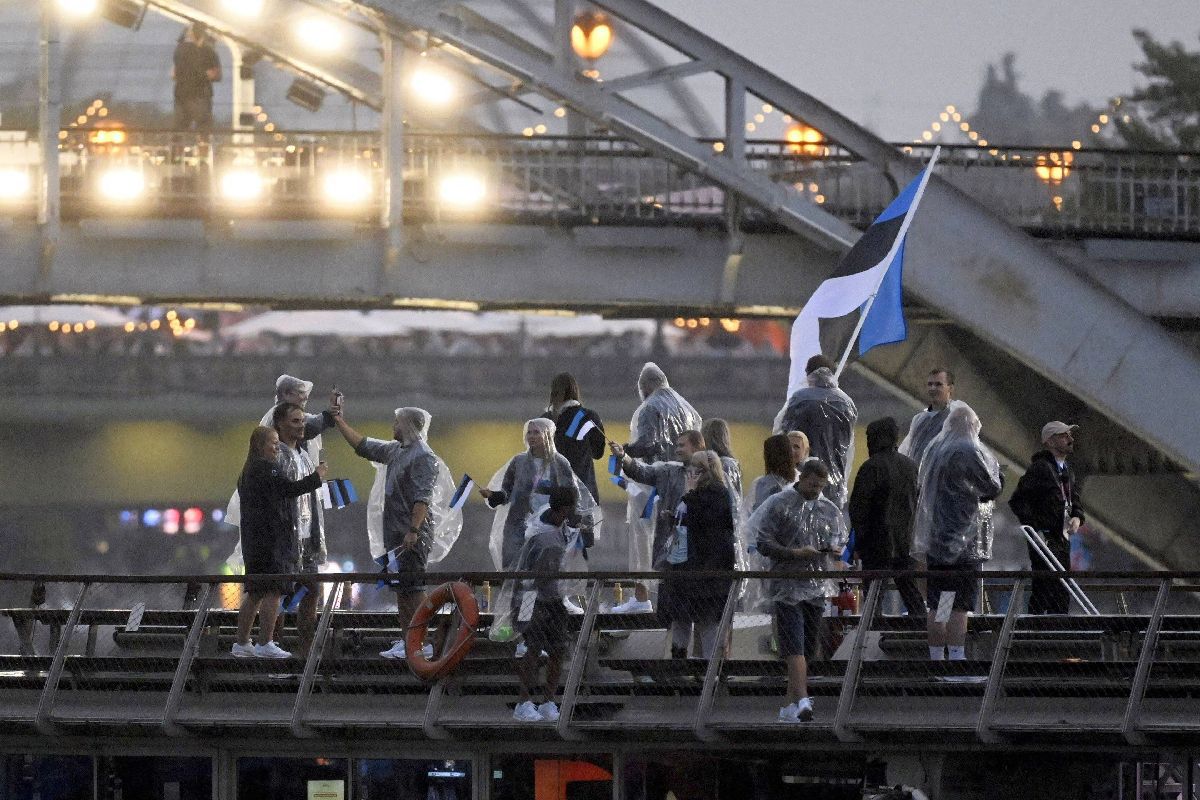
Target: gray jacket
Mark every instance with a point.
(411, 478)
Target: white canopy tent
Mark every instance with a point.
(100, 316)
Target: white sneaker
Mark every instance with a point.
(527, 712)
(242, 650)
(789, 713)
(395, 651)
(549, 711)
(804, 710)
(271, 650)
(522, 649)
(633, 606)
(427, 650)
(571, 606)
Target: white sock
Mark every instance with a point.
(957, 653)
(937, 653)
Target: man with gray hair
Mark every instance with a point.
(410, 506)
(661, 417)
(289, 389)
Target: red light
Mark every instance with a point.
(193, 520)
(170, 523)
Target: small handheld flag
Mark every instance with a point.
(614, 465)
(618, 480)
(338, 493)
(648, 511)
(388, 561)
(291, 601)
(462, 492)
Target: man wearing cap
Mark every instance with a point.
(1047, 500)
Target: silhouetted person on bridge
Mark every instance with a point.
(195, 69)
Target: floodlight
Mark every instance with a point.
(243, 8)
(14, 184)
(241, 185)
(122, 185)
(432, 86)
(78, 8)
(318, 34)
(462, 190)
(347, 187)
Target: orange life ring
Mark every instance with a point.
(457, 647)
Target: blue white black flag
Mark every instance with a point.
(462, 492)
(867, 281)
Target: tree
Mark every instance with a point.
(1007, 115)
(1169, 103)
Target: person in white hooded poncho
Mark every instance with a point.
(521, 489)
(289, 389)
(959, 478)
(408, 506)
(826, 415)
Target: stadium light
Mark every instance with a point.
(241, 185)
(243, 8)
(122, 185)
(78, 8)
(347, 187)
(14, 184)
(462, 191)
(432, 86)
(318, 34)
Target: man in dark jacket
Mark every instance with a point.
(882, 507)
(1047, 500)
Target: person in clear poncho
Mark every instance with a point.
(799, 530)
(289, 389)
(654, 429)
(826, 415)
(665, 483)
(959, 478)
(927, 424)
(408, 505)
(661, 417)
(522, 487)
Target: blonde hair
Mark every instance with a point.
(803, 437)
(713, 472)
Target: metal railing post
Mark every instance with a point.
(1145, 661)
(712, 675)
(314, 660)
(190, 647)
(841, 720)
(578, 663)
(999, 659)
(41, 718)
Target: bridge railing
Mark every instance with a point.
(707, 661)
(596, 180)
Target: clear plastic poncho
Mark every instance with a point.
(447, 522)
(787, 519)
(527, 480)
(826, 415)
(954, 520)
(312, 447)
(512, 606)
(661, 417)
(923, 429)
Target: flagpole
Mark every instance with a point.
(862, 318)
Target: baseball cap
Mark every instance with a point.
(1055, 428)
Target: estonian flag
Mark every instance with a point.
(462, 492)
(339, 493)
(866, 281)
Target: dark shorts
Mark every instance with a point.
(410, 565)
(797, 626)
(964, 584)
(258, 587)
(547, 628)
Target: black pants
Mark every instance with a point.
(914, 601)
(1049, 595)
